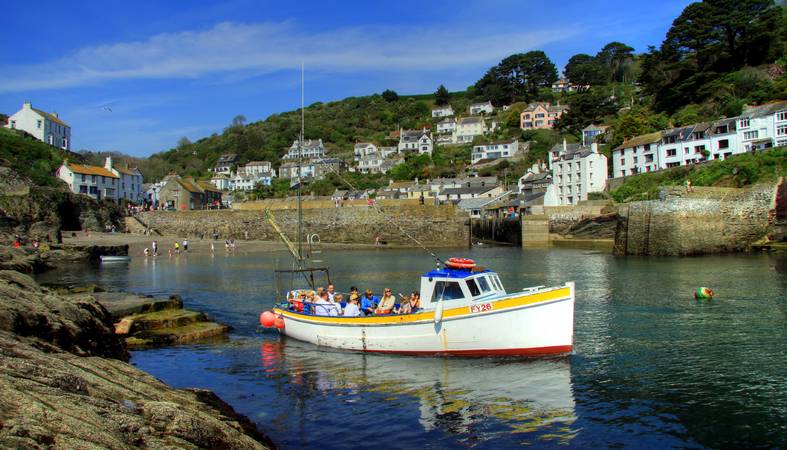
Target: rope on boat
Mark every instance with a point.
(379, 210)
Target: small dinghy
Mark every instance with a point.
(108, 258)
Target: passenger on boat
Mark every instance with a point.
(338, 299)
(369, 302)
(323, 307)
(387, 303)
(352, 310)
(331, 292)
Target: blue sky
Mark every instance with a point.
(168, 69)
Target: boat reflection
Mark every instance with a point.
(453, 395)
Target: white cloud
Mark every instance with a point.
(234, 48)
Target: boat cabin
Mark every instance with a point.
(460, 286)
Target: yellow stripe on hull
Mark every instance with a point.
(498, 305)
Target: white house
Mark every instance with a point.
(130, 182)
(454, 195)
(494, 150)
(481, 108)
(447, 125)
(224, 163)
(443, 111)
(221, 181)
(150, 192)
(256, 168)
(763, 126)
(370, 163)
(312, 148)
(415, 141)
(248, 181)
(387, 152)
(575, 173)
(468, 128)
(46, 127)
(637, 155)
(97, 182)
(362, 149)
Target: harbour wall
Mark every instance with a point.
(706, 221)
(439, 226)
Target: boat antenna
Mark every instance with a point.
(391, 219)
(300, 178)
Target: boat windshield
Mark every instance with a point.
(474, 291)
(483, 284)
(448, 290)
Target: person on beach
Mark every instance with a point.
(369, 303)
(185, 245)
(154, 245)
(352, 310)
(387, 303)
(212, 248)
(177, 248)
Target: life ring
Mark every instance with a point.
(460, 263)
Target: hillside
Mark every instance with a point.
(30, 157)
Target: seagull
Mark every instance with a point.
(106, 108)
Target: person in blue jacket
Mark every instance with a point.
(369, 303)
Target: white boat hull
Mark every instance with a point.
(535, 323)
(115, 258)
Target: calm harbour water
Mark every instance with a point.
(652, 367)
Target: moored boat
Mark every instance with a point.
(114, 258)
(465, 312)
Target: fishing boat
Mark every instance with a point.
(114, 258)
(465, 310)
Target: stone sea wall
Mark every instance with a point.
(709, 220)
(440, 226)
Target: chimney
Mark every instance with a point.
(108, 163)
(27, 105)
(55, 114)
(565, 147)
(594, 147)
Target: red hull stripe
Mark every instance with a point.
(534, 351)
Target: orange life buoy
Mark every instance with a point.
(460, 263)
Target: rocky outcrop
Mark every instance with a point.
(43, 213)
(64, 383)
(29, 260)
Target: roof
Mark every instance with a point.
(227, 158)
(471, 119)
(207, 186)
(363, 144)
(478, 202)
(90, 170)
(468, 190)
(127, 171)
(508, 141)
(413, 135)
(49, 116)
(453, 273)
(547, 106)
(636, 141)
(482, 103)
(764, 110)
(447, 120)
(258, 163)
(189, 185)
(592, 127)
(438, 108)
(531, 177)
(400, 184)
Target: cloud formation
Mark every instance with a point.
(260, 48)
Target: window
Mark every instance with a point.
(635, 160)
(83, 178)
(781, 115)
(724, 143)
(13, 124)
(92, 178)
(672, 152)
(685, 150)
(647, 147)
(448, 290)
(38, 124)
(781, 130)
(749, 135)
(474, 291)
(743, 123)
(649, 158)
(482, 283)
(669, 140)
(496, 282)
(699, 149)
(622, 161)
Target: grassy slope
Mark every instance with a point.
(30, 157)
(736, 171)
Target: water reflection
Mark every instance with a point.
(453, 396)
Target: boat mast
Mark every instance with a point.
(300, 181)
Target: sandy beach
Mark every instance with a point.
(137, 243)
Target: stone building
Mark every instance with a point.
(184, 194)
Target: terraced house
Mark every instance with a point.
(46, 127)
(758, 128)
(103, 183)
(540, 116)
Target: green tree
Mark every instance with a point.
(441, 96)
(587, 107)
(517, 77)
(617, 58)
(239, 120)
(585, 70)
(390, 96)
